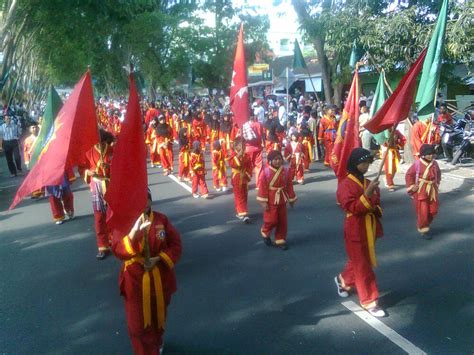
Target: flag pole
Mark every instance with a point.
(385, 154)
(287, 95)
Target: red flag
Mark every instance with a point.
(239, 93)
(73, 134)
(127, 192)
(398, 105)
(347, 137)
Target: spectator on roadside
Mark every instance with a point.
(11, 133)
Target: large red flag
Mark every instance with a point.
(74, 132)
(347, 137)
(127, 192)
(398, 105)
(239, 93)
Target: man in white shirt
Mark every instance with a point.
(365, 135)
(11, 132)
(259, 111)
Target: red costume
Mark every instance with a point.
(227, 134)
(198, 173)
(241, 176)
(199, 131)
(27, 145)
(219, 170)
(327, 134)
(98, 161)
(164, 138)
(152, 142)
(254, 147)
(148, 293)
(151, 114)
(361, 227)
(445, 118)
(421, 133)
(61, 198)
(427, 176)
(183, 162)
(275, 187)
(393, 157)
(294, 154)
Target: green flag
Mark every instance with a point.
(53, 105)
(298, 60)
(427, 89)
(353, 59)
(379, 98)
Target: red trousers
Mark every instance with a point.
(390, 169)
(425, 212)
(166, 157)
(256, 158)
(101, 231)
(183, 170)
(328, 145)
(199, 181)
(240, 198)
(275, 217)
(59, 206)
(218, 182)
(358, 272)
(297, 172)
(154, 156)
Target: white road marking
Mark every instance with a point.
(8, 186)
(183, 185)
(392, 335)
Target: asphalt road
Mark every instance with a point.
(235, 295)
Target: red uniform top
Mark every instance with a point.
(27, 145)
(427, 176)
(227, 138)
(255, 145)
(241, 169)
(198, 165)
(445, 118)
(327, 129)
(165, 139)
(199, 128)
(421, 134)
(150, 114)
(98, 161)
(275, 187)
(164, 241)
(218, 162)
(363, 213)
(294, 153)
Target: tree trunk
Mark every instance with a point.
(337, 97)
(325, 68)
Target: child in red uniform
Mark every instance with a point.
(275, 189)
(241, 165)
(198, 171)
(219, 170)
(165, 145)
(184, 155)
(295, 156)
(422, 181)
(146, 311)
(360, 200)
(393, 158)
(151, 141)
(61, 198)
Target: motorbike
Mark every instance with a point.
(451, 137)
(465, 147)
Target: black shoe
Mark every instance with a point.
(267, 241)
(102, 254)
(283, 246)
(246, 220)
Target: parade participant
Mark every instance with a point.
(227, 134)
(272, 141)
(359, 198)
(214, 127)
(188, 122)
(61, 198)
(393, 158)
(252, 131)
(28, 144)
(327, 132)
(164, 138)
(241, 175)
(364, 135)
(184, 155)
(96, 172)
(422, 181)
(275, 190)
(198, 171)
(152, 141)
(444, 115)
(307, 143)
(151, 113)
(295, 156)
(219, 170)
(147, 287)
(422, 133)
(10, 132)
(199, 130)
(313, 127)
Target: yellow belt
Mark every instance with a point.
(370, 228)
(278, 194)
(430, 190)
(146, 293)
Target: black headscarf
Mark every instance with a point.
(358, 155)
(182, 138)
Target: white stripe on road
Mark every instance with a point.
(392, 335)
(183, 185)
(8, 186)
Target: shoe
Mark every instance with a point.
(59, 222)
(152, 165)
(20, 172)
(13, 175)
(239, 217)
(268, 241)
(391, 189)
(102, 254)
(224, 188)
(218, 189)
(246, 219)
(300, 182)
(283, 246)
(376, 312)
(340, 290)
(205, 196)
(196, 195)
(70, 215)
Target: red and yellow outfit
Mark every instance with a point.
(98, 160)
(152, 142)
(219, 169)
(227, 140)
(276, 189)
(393, 157)
(165, 147)
(327, 135)
(427, 176)
(147, 294)
(269, 146)
(422, 133)
(198, 173)
(184, 162)
(241, 176)
(361, 228)
(151, 113)
(294, 154)
(199, 131)
(27, 148)
(307, 144)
